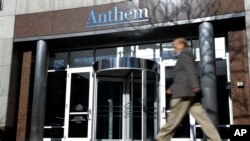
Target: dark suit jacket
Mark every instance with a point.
(185, 75)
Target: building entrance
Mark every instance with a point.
(122, 96)
(69, 105)
(126, 100)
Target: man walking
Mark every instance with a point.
(184, 90)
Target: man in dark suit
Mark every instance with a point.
(184, 90)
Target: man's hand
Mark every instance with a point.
(196, 90)
(168, 91)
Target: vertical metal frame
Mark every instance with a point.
(161, 96)
(230, 104)
(144, 105)
(131, 122)
(156, 106)
(94, 107)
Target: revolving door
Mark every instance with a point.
(126, 99)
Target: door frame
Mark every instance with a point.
(67, 102)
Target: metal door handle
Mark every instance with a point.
(88, 115)
(164, 112)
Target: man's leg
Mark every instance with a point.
(200, 115)
(178, 108)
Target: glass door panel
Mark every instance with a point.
(126, 106)
(79, 100)
(151, 105)
(79, 105)
(135, 117)
(109, 109)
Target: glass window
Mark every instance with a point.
(79, 99)
(127, 51)
(58, 61)
(196, 49)
(106, 53)
(81, 58)
(167, 54)
(54, 113)
(109, 110)
(148, 51)
(167, 51)
(151, 108)
(220, 48)
(78, 126)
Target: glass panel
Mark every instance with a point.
(125, 90)
(106, 53)
(109, 110)
(127, 51)
(167, 51)
(223, 97)
(79, 99)
(136, 99)
(79, 102)
(58, 61)
(81, 58)
(196, 48)
(220, 48)
(137, 110)
(54, 132)
(148, 51)
(151, 109)
(183, 130)
(78, 125)
(168, 54)
(54, 113)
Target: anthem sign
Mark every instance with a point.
(116, 16)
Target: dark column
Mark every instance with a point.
(208, 71)
(39, 93)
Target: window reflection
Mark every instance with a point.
(58, 61)
(148, 51)
(82, 58)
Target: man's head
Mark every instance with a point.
(179, 44)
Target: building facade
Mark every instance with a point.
(98, 69)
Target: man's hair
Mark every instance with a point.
(181, 41)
